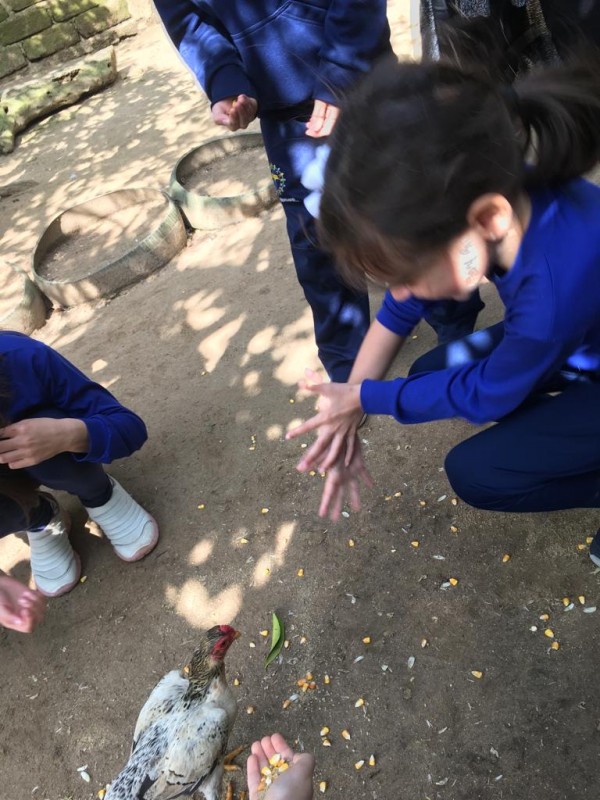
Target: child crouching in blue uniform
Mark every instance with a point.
(427, 191)
(57, 428)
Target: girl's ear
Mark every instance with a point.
(491, 216)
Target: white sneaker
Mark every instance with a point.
(132, 532)
(55, 566)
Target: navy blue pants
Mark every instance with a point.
(83, 479)
(545, 456)
(340, 314)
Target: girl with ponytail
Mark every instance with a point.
(439, 179)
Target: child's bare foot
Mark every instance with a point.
(293, 784)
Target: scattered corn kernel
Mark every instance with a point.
(312, 473)
(287, 703)
(324, 731)
(346, 735)
(453, 581)
(300, 573)
(326, 680)
(477, 674)
(236, 681)
(250, 710)
(292, 401)
(453, 529)
(201, 506)
(544, 617)
(286, 643)
(422, 503)
(303, 640)
(581, 546)
(414, 543)
(366, 640)
(101, 794)
(309, 676)
(566, 601)
(243, 540)
(323, 787)
(371, 761)
(589, 539)
(397, 494)
(264, 511)
(351, 542)
(326, 742)
(581, 599)
(454, 501)
(555, 646)
(549, 633)
(360, 702)
(424, 643)
(505, 558)
(264, 633)
(359, 764)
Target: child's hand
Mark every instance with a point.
(21, 608)
(235, 113)
(323, 118)
(294, 784)
(29, 442)
(343, 483)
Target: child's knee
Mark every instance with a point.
(472, 478)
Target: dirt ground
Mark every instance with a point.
(208, 351)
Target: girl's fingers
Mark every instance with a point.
(259, 753)
(282, 747)
(306, 427)
(253, 774)
(333, 452)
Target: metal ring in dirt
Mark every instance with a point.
(167, 238)
(206, 212)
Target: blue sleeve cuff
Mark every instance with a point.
(380, 397)
(97, 439)
(401, 317)
(229, 81)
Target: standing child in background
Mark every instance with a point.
(57, 428)
(289, 63)
(427, 191)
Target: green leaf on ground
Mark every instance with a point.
(277, 638)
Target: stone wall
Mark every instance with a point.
(32, 31)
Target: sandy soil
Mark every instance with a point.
(208, 351)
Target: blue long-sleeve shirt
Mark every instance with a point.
(281, 52)
(552, 318)
(35, 379)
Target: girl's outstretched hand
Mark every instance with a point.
(337, 421)
(343, 483)
(21, 608)
(294, 784)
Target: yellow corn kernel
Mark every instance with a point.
(312, 473)
(359, 764)
(581, 546)
(324, 731)
(326, 742)
(300, 573)
(371, 761)
(555, 646)
(286, 644)
(454, 501)
(323, 787)
(351, 542)
(101, 794)
(264, 511)
(236, 681)
(477, 674)
(424, 643)
(283, 767)
(505, 558)
(581, 599)
(287, 703)
(266, 771)
(301, 682)
(453, 581)
(366, 640)
(346, 735)
(589, 539)
(250, 710)
(303, 640)
(201, 506)
(544, 617)
(309, 676)
(312, 685)
(566, 601)
(414, 543)
(264, 633)
(422, 503)
(549, 633)
(453, 529)
(275, 760)
(360, 702)
(326, 680)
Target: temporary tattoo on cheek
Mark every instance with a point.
(468, 261)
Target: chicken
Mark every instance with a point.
(180, 737)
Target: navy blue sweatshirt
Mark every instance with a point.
(552, 300)
(281, 52)
(35, 379)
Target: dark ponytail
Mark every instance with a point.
(416, 144)
(560, 110)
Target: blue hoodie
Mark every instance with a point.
(34, 379)
(552, 319)
(281, 52)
